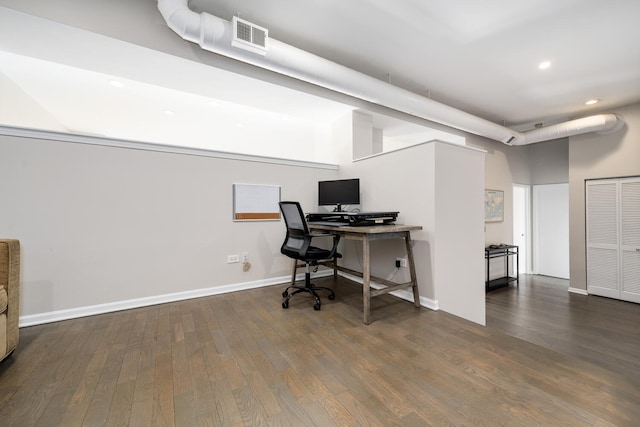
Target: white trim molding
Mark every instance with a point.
(74, 313)
(578, 291)
(149, 146)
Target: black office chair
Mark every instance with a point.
(297, 245)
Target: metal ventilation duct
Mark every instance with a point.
(216, 35)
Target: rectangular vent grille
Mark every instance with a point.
(249, 36)
(259, 37)
(243, 31)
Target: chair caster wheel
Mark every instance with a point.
(285, 294)
(332, 296)
(285, 304)
(316, 306)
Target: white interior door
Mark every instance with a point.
(613, 238)
(630, 239)
(602, 238)
(522, 224)
(551, 230)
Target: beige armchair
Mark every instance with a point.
(9, 295)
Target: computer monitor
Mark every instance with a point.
(339, 192)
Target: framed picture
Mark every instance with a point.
(493, 206)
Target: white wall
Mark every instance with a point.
(102, 225)
(549, 162)
(362, 139)
(459, 241)
(504, 166)
(400, 181)
(17, 108)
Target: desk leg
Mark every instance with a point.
(366, 281)
(412, 269)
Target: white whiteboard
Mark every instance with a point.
(254, 202)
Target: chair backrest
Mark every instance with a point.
(297, 241)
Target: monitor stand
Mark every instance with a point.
(338, 208)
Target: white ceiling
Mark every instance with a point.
(479, 56)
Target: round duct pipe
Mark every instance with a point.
(601, 123)
(216, 35)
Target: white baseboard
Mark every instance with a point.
(92, 310)
(73, 313)
(578, 291)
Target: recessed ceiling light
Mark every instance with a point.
(214, 103)
(116, 83)
(544, 65)
(592, 101)
(168, 112)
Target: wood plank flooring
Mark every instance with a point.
(239, 359)
(600, 330)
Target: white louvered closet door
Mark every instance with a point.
(630, 239)
(613, 238)
(602, 238)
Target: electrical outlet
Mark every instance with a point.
(245, 256)
(402, 262)
(233, 258)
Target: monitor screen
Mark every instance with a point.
(339, 192)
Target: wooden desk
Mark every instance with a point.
(367, 234)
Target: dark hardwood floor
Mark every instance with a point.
(600, 330)
(240, 359)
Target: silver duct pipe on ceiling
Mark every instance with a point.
(217, 35)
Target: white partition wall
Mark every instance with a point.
(439, 186)
(459, 238)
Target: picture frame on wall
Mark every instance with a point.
(493, 205)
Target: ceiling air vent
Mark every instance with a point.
(249, 36)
